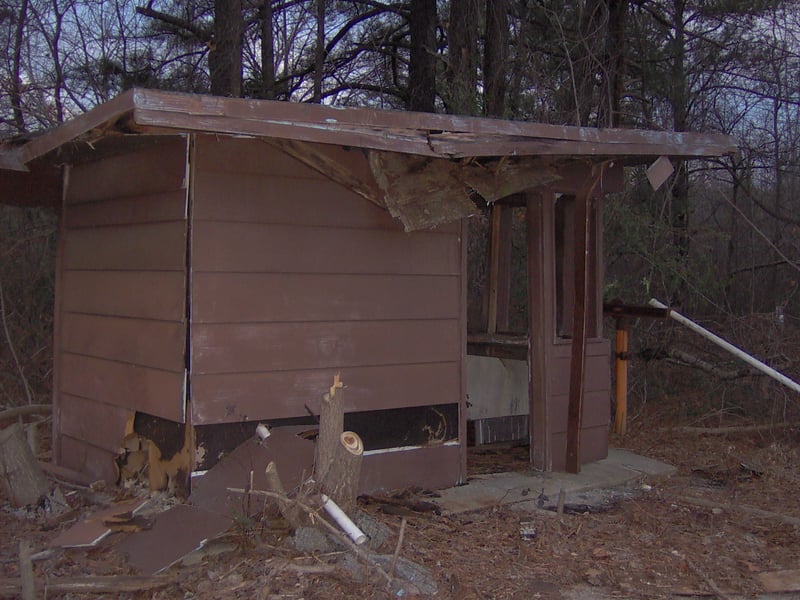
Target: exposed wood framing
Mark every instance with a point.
(328, 162)
(499, 179)
(499, 269)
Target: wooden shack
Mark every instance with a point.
(220, 260)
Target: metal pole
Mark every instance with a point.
(753, 362)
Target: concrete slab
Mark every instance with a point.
(621, 468)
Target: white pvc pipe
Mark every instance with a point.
(337, 514)
(753, 362)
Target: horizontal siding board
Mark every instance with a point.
(87, 458)
(159, 168)
(596, 410)
(229, 154)
(244, 247)
(157, 344)
(263, 297)
(155, 392)
(153, 208)
(594, 447)
(221, 398)
(147, 247)
(279, 199)
(158, 295)
(99, 424)
(597, 375)
(223, 348)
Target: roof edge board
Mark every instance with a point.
(11, 160)
(70, 130)
(340, 118)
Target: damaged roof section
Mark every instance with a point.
(426, 169)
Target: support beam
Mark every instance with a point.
(581, 309)
(541, 274)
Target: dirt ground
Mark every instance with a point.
(699, 532)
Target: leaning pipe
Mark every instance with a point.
(753, 362)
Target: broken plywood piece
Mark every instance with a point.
(186, 528)
(422, 192)
(175, 533)
(91, 530)
(787, 580)
(292, 453)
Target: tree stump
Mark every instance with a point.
(341, 484)
(331, 425)
(22, 480)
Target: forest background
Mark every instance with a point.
(720, 239)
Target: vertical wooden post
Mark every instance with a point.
(494, 264)
(583, 246)
(621, 379)
(541, 327)
(504, 269)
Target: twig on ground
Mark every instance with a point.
(397, 548)
(315, 516)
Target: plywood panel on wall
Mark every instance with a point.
(253, 347)
(296, 278)
(81, 422)
(256, 247)
(232, 397)
(154, 391)
(156, 295)
(272, 297)
(121, 325)
(143, 171)
(147, 247)
(157, 344)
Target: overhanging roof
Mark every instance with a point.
(434, 135)
(513, 150)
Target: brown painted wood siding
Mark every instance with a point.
(121, 325)
(295, 278)
(596, 401)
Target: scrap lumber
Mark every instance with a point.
(20, 476)
(288, 510)
(776, 582)
(26, 571)
(108, 584)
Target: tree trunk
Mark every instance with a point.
(422, 68)
(462, 43)
(319, 52)
(331, 425)
(495, 58)
(267, 52)
(345, 472)
(16, 89)
(225, 57)
(21, 478)
(613, 65)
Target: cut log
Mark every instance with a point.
(341, 484)
(778, 582)
(331, 426)
(22, 480)
(288, 509)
